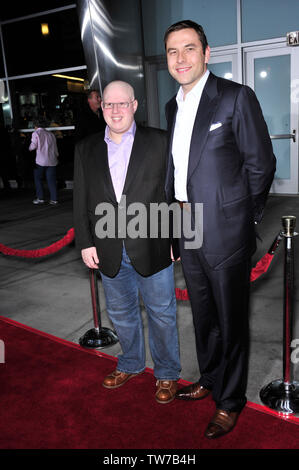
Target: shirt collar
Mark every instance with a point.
(196, 91)
(130, 132)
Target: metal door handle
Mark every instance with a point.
(285, 136)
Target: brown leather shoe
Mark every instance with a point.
(116, 379)
(166, 390)
(192, 392)
(221, 423)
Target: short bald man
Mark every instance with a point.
(121, 166)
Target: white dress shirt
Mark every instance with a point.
(187, 109)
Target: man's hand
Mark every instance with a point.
(90, 257)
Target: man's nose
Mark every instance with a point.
(180, 56)
(114, 107)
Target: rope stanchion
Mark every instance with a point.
(97, 337)
(283, 395)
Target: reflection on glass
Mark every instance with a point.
(222, 69)
(263, 74)
(56, 99)
(5, 111)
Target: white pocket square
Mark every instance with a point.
(215, 126)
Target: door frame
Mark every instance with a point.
(227, 55)
(280, 186)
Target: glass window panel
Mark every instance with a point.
(218, 18)
(222, 69)
(56, 100)
(272, 86)
(268, 19)
(16, 9)
(27, 50)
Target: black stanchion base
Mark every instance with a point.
(101, 338)
(281, 396)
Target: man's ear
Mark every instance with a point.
(207, 54)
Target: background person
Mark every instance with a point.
(90, 120)
(44, 142)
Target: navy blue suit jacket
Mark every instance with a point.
(230, 169)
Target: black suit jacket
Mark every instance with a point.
(230, 169)
(88, 123)
(144, 183)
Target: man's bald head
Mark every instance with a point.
(119, 85)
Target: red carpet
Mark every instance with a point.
(52, 398)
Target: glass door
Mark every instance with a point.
(273, 71)
(224, 65)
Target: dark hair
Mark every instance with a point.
(39, 122)
(187, 24)
(92, 90)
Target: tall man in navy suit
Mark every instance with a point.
(220, 155)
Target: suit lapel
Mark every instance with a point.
(171, 117)
(100, 166)
(138, 154)
(206, 110)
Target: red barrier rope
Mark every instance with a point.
(49, 250)
(181, 294)
(260, 268)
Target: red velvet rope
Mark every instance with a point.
(49, 250)
(181, 294)
(260, 268)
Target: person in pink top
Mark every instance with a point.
(44, 142)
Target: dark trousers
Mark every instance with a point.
(219, 303)
(50, 172)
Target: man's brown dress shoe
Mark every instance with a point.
(192, 392)
(116, 379)
(166, 390)
(221, 423)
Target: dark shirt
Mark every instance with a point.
(88, 123)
